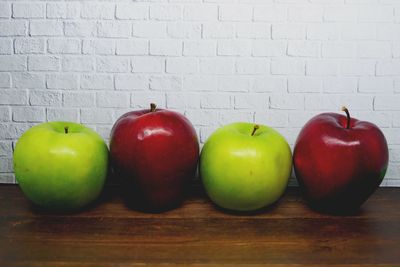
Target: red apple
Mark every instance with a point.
(339, 161)
(155, 152)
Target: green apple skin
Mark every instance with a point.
(245, 172)
(58, 170)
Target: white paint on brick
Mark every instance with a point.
(276, 62)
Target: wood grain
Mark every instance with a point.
(199, 234)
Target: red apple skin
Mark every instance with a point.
(156, 154)
(339, 168)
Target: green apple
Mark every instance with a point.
(245, 167)
(61, 165)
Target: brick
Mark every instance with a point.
(272, 13)
(215, 101)
(388, 68)
(269, 48)
(28, 114)
(96, 81)
(13, 28)
(165, 47)
(46, 28)
(132, 11)
(270, 84)
(303, 48)
(306, 14)
(253, 30)
(5, 80)
(6, 164)
(182, 100)
(97, 10)
(230, 116)
(217, 65)
(288, 31)
(100, 116)
(113, 99)
(199, 48)
(287, 101)
(287, 66)
(13, 63)
(28, 10)
(79, 99)
(375, 14)
(148, 64)
(29, 46)
(45, 98)
(165, 12)
(5, 10)
(203, 12)
(6, 46)
(62, 114)
(182, 65)
(335, 101)
(202, 117)
(43, 63)
(165, 83)
(63, 10)
(149, 29)
(7, 178)
(112, 64)
(357, 67)
(339, 49)
(340, 14)
(234, 48)
(199, 83)
(218, 30)
(253, 101)
(388, 32)
(63, 46)
(233, 84)
(77, 63)
(304, 85)
(375, 85)
(12, 131)
(25, 80)
(364, 31)
(132, 47)
(131, 82)
(5, 116)
(235, 12)
(143, 99)
(381, 119)
(272, 118)
(6, 148)
(339, 85)
(373, 49)
(387, 102)
(80, 28)
(318, 31)
(13, 97)
(322, 68)
(62, 81)
(187, 30)
(114, 29)
(252, 66)
(98, 47)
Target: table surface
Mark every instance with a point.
(199, 234)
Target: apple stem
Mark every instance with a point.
(348, 117)
(66, 129)
(255, 129)
(153, 107)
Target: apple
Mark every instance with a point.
(155, 153)
(245, 167)
(61, 165)
(339, 161)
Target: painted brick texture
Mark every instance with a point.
(276, 62)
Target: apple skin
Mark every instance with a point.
(61, 171)
(155, 153)
(245, 172)
(339, 168)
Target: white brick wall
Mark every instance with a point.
(277, 62)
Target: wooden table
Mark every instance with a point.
(198, 234)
